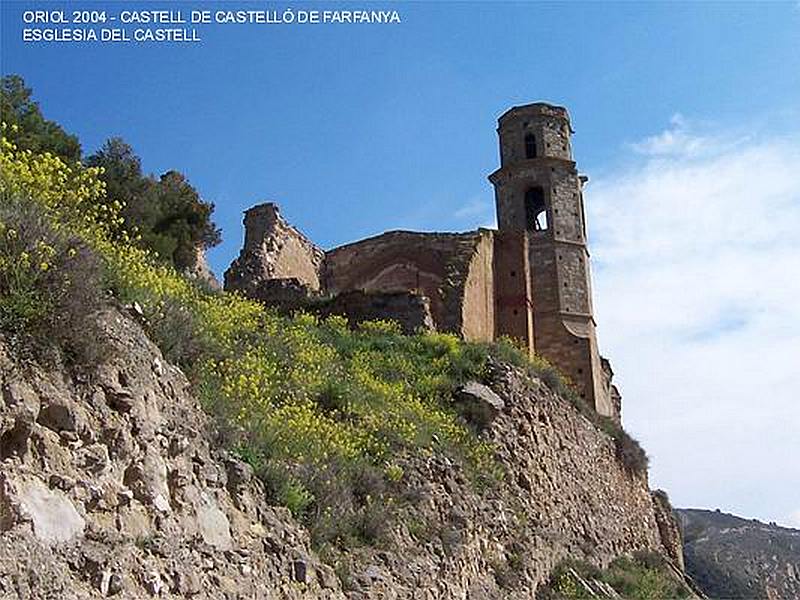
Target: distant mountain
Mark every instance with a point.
(731, 557)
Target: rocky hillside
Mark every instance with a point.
(732, 557)
(113, 483)
(158, 439)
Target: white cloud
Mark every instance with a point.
(477, 212)
(696, 252)
(681, 139)
(794, 519)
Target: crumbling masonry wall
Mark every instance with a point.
(439, 281)
(273, 249)
(478, 306)
(453, 270)
(411, 311)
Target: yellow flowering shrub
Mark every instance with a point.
(308, 402)
(299, 390)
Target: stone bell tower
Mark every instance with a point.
(543, 290)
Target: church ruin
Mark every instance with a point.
(529, 279)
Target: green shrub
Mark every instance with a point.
(28, 127)
(295, 497)
(50, 286)
(628, 451)
(165, 215)
(644, 576)
(174, 329)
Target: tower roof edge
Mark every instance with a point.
(535, 109)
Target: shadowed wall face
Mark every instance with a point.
(512, 282)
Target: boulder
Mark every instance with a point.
(478, 403)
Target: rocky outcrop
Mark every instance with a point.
(562, 494)
(731, 557)
(111, 485)
(668, 528)
(478, 403)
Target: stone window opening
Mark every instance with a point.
(530, 145)
(535, 210)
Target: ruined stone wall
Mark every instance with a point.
(201, 271)
(478, 308)
(411, 311)
(273, 249)
(512, 283)
(564, 495)
(452, 272)
(437, 265)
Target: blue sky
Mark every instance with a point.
(686, 119)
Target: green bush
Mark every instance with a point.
(175, 330)
(50, 286)
(644, 576)
(166, 214)
(28, 128)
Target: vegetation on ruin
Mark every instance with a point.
(644, 576)
(324, 413)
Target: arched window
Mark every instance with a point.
(530, 145)
(535, 209)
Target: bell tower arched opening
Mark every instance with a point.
(535, 210)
